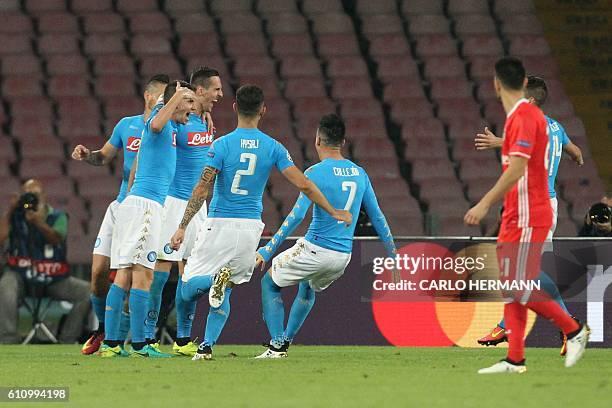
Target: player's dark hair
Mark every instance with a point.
(157, 79)
(511, 72)
(200, 76)
(331, 130)
(536, 89)
(171, 89)
(249, 99)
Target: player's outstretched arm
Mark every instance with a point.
(295, 218)
(298, 179)
(379, 222)
(198, 196)
(574, 152)
(515, 170)
(97, 157)
(487, 140)
(165, 113)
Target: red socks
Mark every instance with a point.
(515, 315)
(552, 311)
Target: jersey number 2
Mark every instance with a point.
(249, 171)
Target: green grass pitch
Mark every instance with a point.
(312, 376)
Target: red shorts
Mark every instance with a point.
(519, 253)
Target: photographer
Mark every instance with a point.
(36, 258)
(597, 222)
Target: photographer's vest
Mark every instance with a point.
(31, 255)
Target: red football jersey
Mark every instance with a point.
(527, 204)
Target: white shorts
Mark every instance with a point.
(136, 234)
(306, 261)
(554, 204)
(223, 242)
(172, 215)
(102, 246)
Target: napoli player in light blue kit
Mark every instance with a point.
(224, 253)
(126, 136)
(138, 227)
(536, 92)
(321, 257)
(192, 143)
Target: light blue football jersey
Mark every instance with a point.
(346, 186)
(243, 159)
(557, 138)
(126, 135)
(156, 162)
(192, 143)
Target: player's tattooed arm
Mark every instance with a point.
(199, 195)
(96, 157)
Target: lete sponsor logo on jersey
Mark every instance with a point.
(199, 139)
(133, 144)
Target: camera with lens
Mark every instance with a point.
(600, 213)
(27, 202)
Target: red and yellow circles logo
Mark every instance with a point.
(444, 323)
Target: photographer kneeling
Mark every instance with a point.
(36, 255)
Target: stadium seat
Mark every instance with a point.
(15, 86)
(136, 6)
(42, 169)
(273, 7)
(44, 149)
(403, 110)
(421, 128)
(150, 45)
(455, 109)
(447, 66)
(338, 44)
(68, 85)
(101, 186)
(28, 106)
(49, 44)
(58, 22)
(352, 87)
(194, 23)
(103, 23)
(401, 66)
(10, 5)
(529, 45)
(150, 66)
(230, 6)
(151, 22)
(332, 23)
(321, 6)
(246, 44)
(483, 68)
(300, 66)
(482, 46)
(389, 44)
(468, 7)
(516, 24)
(239, 23)
(381, 24)
(360, 107)
(424, 169)
(15, 44)
(286, 23)
(284, 45)
(438, 44)
(88, 7)
(97, 44)
(67, 65)
(418, 7)
(15, 23)
(254, 65)
(442, 88)
(349, 66)
(21, 65)
(400, 89)
(433, 147)
(426, 24)
(470, 24)
(503, 7)
(303, 87)
(376, 7)
(114, 64)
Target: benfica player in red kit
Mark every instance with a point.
(526, 220)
